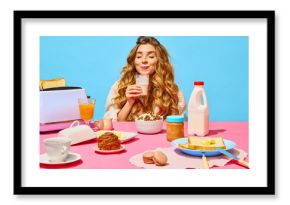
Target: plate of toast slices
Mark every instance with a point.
(197, 146)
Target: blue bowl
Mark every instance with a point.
(198, 153)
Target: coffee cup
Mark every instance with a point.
(57, 148)
(143, 81)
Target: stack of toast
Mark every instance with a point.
(204, 143)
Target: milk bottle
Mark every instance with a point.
(198, 111)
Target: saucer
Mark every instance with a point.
(72, 157)
(110, 151)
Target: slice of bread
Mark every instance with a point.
(183, 146)
(205, 143)
(53, 83)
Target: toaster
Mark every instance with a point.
(60, 105)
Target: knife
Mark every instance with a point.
(242, 162)
(204, 160)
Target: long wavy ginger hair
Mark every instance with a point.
(163, 92)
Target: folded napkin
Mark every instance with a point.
(178, 160)
(77, 133)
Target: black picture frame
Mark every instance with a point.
(19, 189)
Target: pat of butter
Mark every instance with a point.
(208, 142)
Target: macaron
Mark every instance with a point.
(148, 157)
(159, 158)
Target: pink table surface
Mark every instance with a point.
(235, 131)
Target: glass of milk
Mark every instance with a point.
(143, 81)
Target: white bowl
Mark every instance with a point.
(149, 127)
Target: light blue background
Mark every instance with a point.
(95, 63)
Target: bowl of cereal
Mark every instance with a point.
(148, 123)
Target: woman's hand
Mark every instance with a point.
(132, 92)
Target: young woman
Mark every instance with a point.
(125, 101)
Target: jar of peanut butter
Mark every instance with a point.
(174, 127)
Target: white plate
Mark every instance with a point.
(110, 151)
(72, 157)
(123, 136)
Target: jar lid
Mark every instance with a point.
(198, 83)
(175, 118)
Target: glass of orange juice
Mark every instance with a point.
(87, 107)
